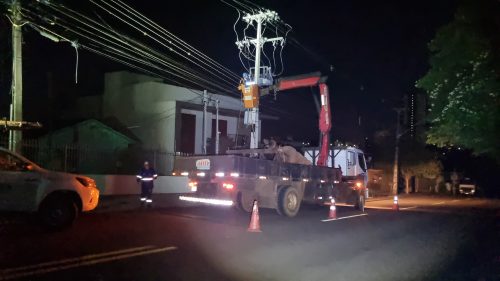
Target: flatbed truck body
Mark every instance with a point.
(234, 180)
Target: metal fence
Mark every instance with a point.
(77, 158)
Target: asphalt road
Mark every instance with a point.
(426, 240)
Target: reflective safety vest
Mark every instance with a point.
(146, 176)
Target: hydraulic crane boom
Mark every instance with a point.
(325, 124)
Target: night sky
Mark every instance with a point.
(377, 50)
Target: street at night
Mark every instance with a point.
(430, 238)
(248, 140)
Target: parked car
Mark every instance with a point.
(56, 197)
(467, 187)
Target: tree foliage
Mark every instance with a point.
(463, 83)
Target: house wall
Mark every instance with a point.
(148, 108)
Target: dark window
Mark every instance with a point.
(222, 128)
(188, 132)
(361, 161)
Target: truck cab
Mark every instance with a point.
(349, 159)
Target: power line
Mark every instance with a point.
(175, 38)
(158, 41)
(120, 42)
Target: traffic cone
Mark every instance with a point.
(395, 206)
(254, 220)
(332, 215)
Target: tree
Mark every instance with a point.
(463, 82)
(419, 162)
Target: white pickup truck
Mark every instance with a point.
(57, 197)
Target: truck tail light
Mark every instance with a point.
(193, 186)
(228, 186)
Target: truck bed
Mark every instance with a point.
(256, 167)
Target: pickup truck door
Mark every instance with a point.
(19, 186)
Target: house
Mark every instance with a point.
(167, 119)
(87, 147)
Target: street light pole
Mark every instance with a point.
(16, 107)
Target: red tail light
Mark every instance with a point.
(228, 186)
(193, 186)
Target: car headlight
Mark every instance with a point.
(86, 182)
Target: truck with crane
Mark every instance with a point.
(278, 177)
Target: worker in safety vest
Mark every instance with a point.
(146, 177)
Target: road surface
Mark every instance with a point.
(426, 240)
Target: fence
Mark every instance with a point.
(84, 159)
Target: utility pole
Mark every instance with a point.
(16, 107)
(204, 126)
(252, 114)
(217, 133)
(395, 175)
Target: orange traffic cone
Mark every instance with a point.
(395, 206)
(254, 221)
(332, 215)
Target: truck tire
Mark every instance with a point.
(288, 202)
(360, 203)
(58, 212)
(244, 202)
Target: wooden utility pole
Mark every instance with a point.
(16, 107)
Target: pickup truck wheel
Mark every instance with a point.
(58, 212)
(288, 202)
(360, 203)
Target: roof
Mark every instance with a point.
(115, 127)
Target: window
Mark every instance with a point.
(362, 162)
(351, 160)
(9, 162)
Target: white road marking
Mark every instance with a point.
(347, 217)
(77, 259)
(439, 203)
(378, 208)
(42, 268)
(408, 208)
(366, 207)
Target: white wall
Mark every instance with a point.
(126, 185)
(147, 107)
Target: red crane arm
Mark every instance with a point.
(325, 117)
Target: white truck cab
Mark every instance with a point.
(57, 197)
(349, 159)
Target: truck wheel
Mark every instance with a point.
(244, 202)
(288, 202)
(58, 212)
(360, 203)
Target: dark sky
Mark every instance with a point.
(378, 51)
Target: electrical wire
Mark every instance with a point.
(189, 74)
(173, 37)
(147, 34)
